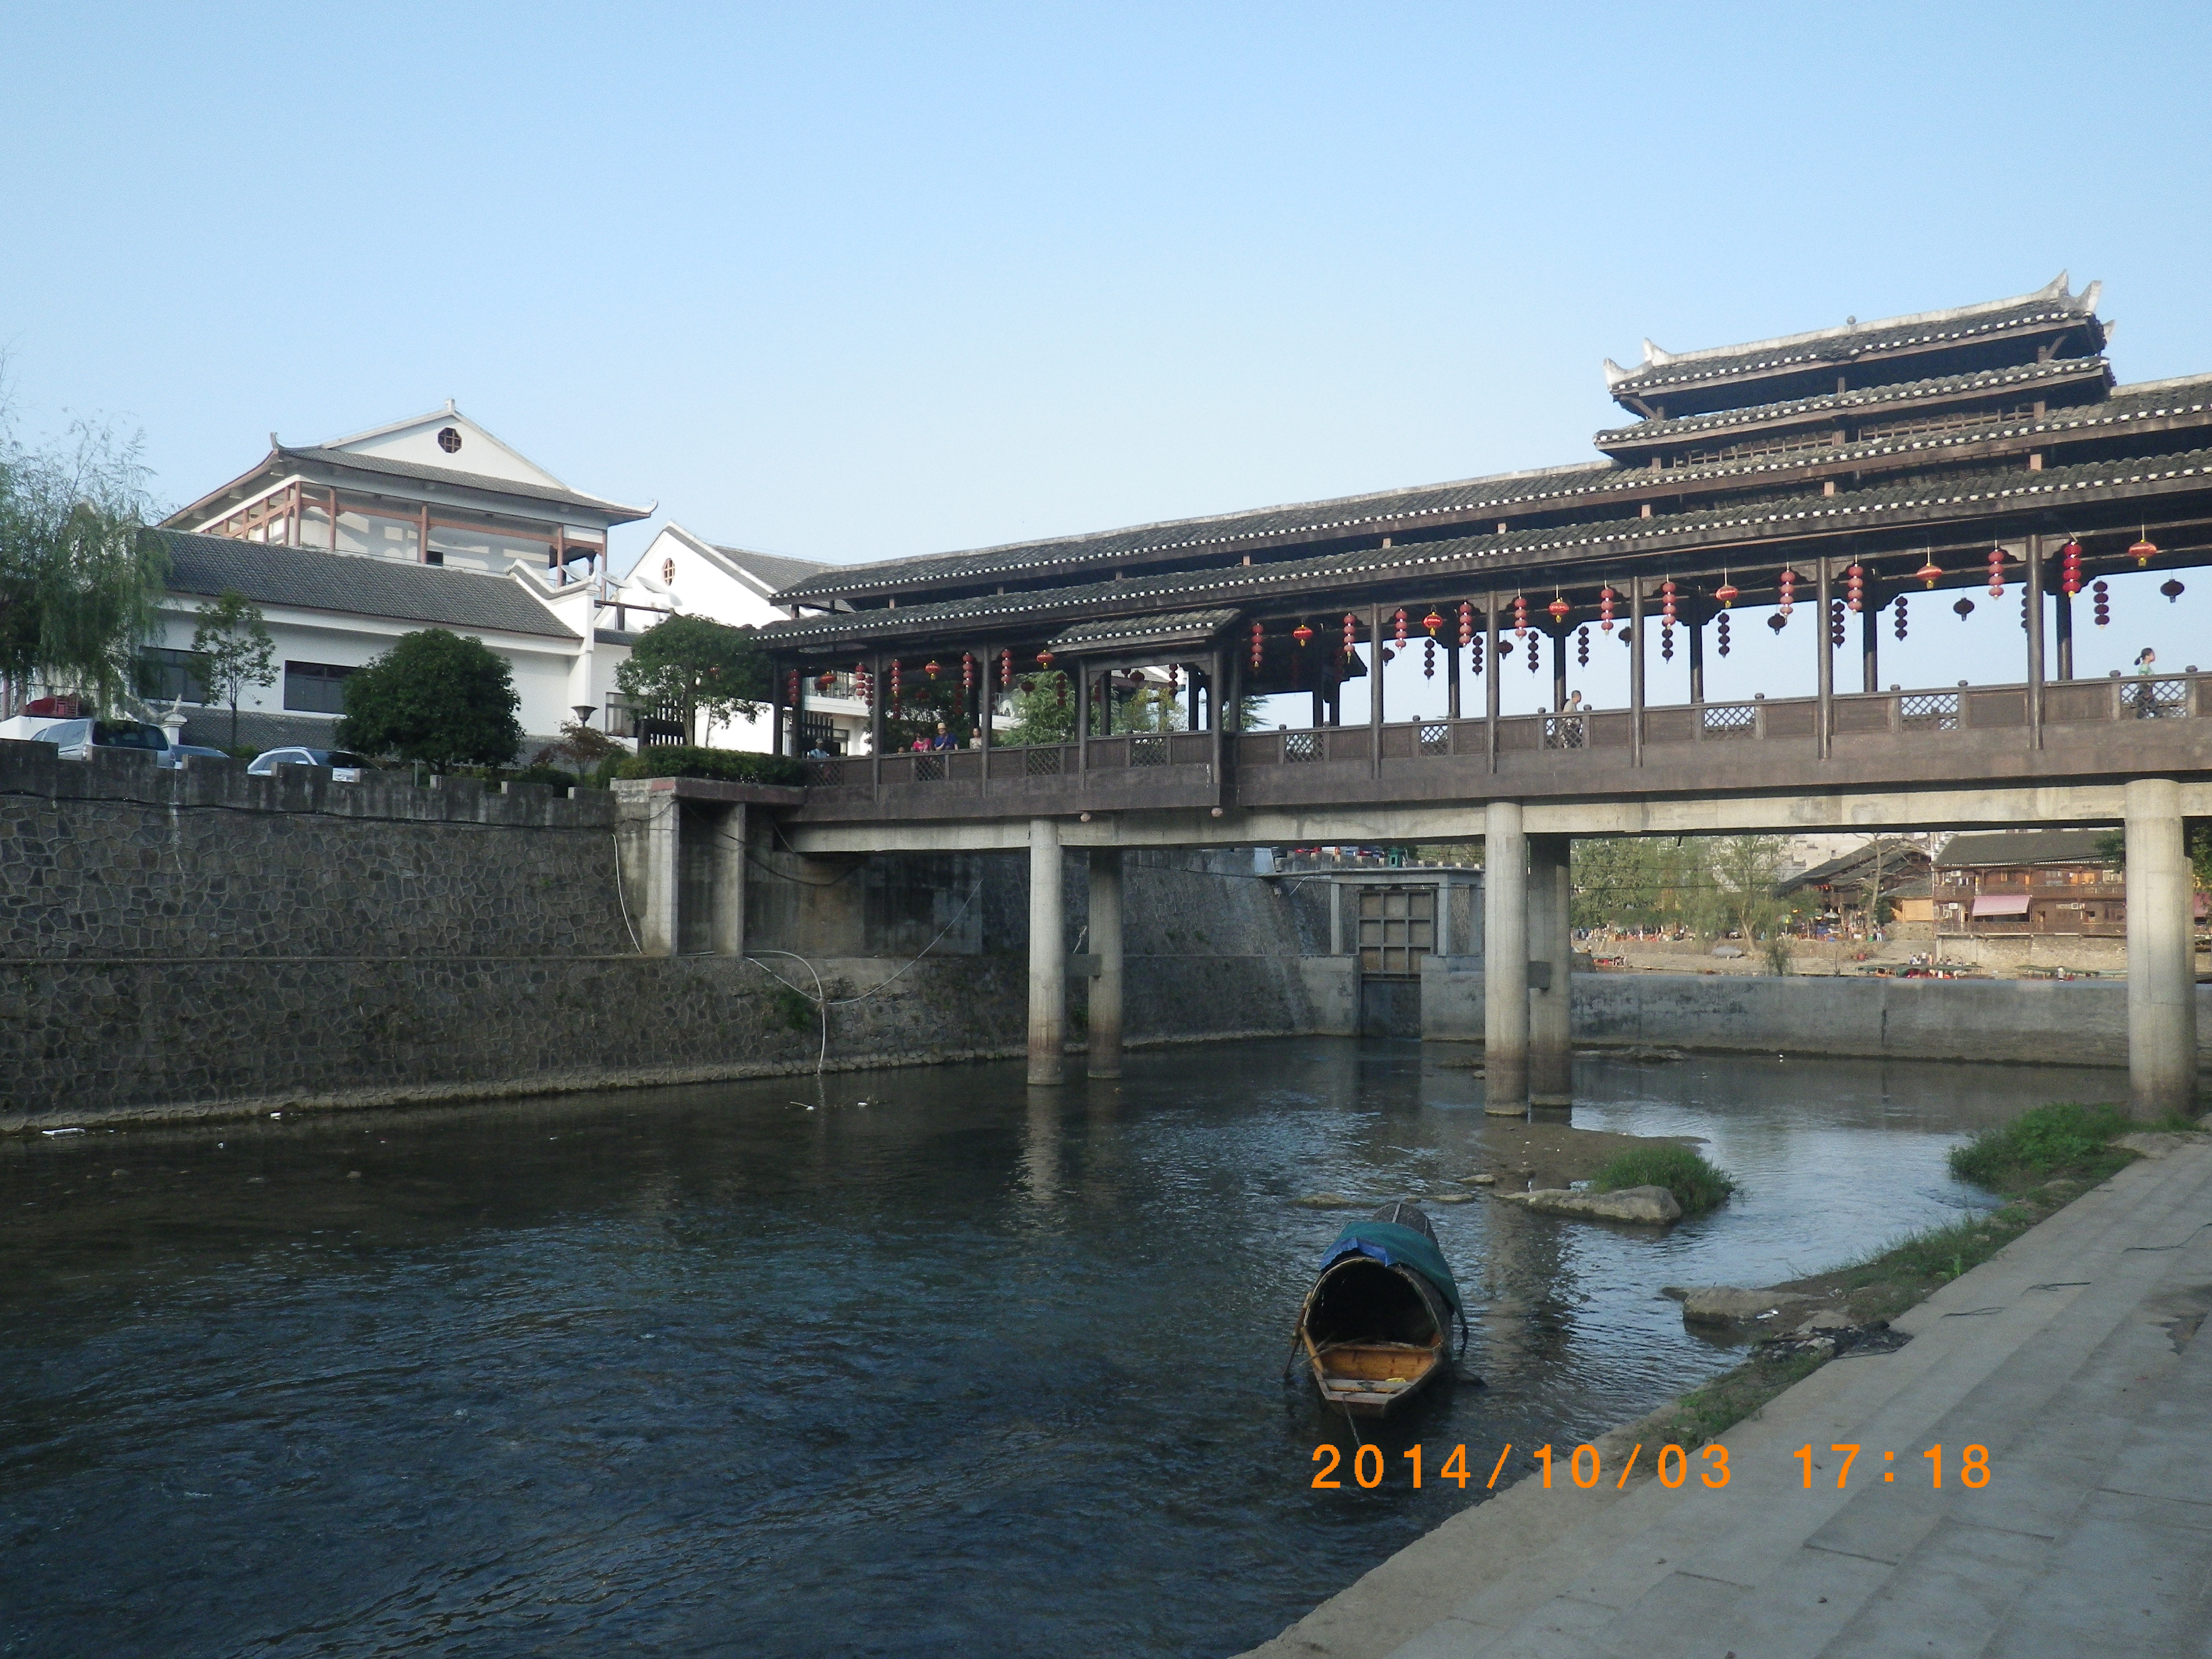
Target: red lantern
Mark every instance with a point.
(1788, 586)
(930, 668)
(1855, 588)
(1667, 604)
(1558, 608)
(792, 696)
(1726, 593)
(1475, 646)
(1900, 615)
(1351, 634)
(1965, 608)
(2069, 569)
(1724, 631)
(1175, 679)
(2172, 588)
(1258, 645)
(1006, 669)
(1532, 653)
(2102, 598)
(862, 688)
(1466, 623)
(1835, 622)
(1582, 646)
(1996, 572)
(894, 682)
(1428, 659)
(1520, 617)
(826, 680)
(1931, 573)
(1605, 609)
(1432, 622)
(2143, 551)
(1302, 634)
(1044, 658)
(967, 670)
(1667, 640)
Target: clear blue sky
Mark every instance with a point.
(853, 281)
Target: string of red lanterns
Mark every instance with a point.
(2070, 567)
(1466, 623)
(1605, 597)
(1520, 616)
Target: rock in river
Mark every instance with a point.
(1730, 1304)
(1652, 1204)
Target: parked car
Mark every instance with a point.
(346, 767)
(77, 738)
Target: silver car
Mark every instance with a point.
(345, 766)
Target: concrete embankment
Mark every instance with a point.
(2024, 1022)
(2072, 1359)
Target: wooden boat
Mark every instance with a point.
(1374, 1324)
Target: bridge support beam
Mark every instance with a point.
(1048, 956)
(1105, 1009)
(2161, 954)
(1551, 943)
(1505, 960)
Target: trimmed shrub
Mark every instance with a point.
(1697, 1185)
(724, 765)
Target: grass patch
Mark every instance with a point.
(1697, 1185)
(2050, 1140)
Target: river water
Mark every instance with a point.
(963, 1369)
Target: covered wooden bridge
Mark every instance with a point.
(1818, 485)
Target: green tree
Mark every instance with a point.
(236, 651)
(1044, 710)
(433, 696)
(698, 664)
(79, 574)
(1744, 870)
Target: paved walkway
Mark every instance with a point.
(2073, 1355)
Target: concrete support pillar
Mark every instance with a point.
(1550, 942)
(1505, 960)
(2161, 954)
(656, 903)
(1106, 945)
(730, 883)
(1048, 956)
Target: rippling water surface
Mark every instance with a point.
(941, 1365)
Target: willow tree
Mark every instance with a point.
(79, 574)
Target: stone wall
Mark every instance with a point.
(2023, 1022)
(116, 857)
(199, 941)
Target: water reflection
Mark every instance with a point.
(927, 1363)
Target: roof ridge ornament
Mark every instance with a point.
(2056, 288)
(1654, 356)
(1614, 374)
(2089, 296)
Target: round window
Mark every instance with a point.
(449, 441)
(668, 570)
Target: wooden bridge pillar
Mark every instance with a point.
(1048, 956)
(2161, 954)
(1505, 960)
(1551, 945)
(1105, 1010)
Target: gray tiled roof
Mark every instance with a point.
(354, 585)
(1170, 626)
(424, 473)
(1939, 329)
(1905, 391)
(776, 569)
(1470, 559)
(1075, 555)
(2010, 846)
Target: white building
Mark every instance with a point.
(347, 545)
(690, 575)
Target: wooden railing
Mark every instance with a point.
(1934, 715)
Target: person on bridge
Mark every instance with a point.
(2146, 696)
(944, 739)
